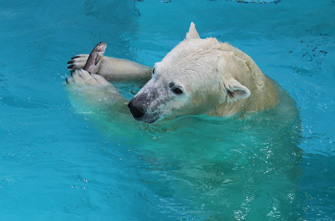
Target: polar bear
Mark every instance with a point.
(198, 76)
(212, 158)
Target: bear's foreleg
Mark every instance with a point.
(114, 69)
(80, 76)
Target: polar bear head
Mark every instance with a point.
(191, 79)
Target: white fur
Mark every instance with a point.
(216, 79)
(114, 69)
(83, 77)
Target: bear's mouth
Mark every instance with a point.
(148, 118)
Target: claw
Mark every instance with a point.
(77, 56)
(70, 62)
(71, 66)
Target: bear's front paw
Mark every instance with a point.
(82, 77)
(77, 62)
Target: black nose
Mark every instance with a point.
(136, 110)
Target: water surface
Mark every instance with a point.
(58, 161)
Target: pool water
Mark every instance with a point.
(66, 158)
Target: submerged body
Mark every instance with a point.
(232, 168)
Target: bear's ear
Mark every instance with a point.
(192, 32)
(236, 91)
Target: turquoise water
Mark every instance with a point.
(63, 158)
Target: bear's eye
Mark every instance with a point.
(153, 71)
(177, 90)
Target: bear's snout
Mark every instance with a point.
(136, 109)
(147, 105)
